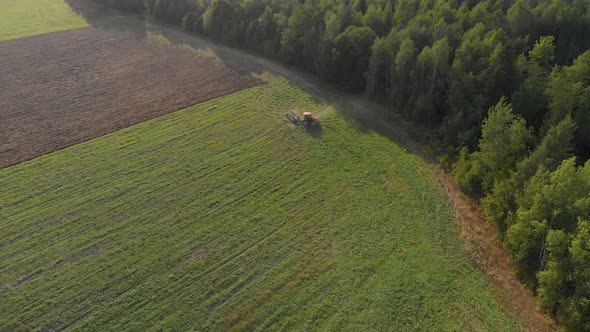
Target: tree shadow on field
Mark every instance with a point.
(101, 17)
(365, 115)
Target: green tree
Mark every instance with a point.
(404, 62)
(431, 79)
(555, 147)
(500, 204)
(564, 283)
(374, 19)
(351, 53)
(553, 279)
(569, 94)
(530, 100)
(520, 18)
(579, 305)
(218, 19)
(504, 142)
(378, 69)
(551, 201)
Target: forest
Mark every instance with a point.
(504, 84)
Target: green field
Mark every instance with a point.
(23, 18)
(224, 216)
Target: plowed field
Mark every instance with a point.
(63, 88)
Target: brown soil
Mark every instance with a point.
(64, 88)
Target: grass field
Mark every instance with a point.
(224, 216)
(23, 18)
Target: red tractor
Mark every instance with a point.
(309, 120)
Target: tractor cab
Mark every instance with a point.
(309, 120)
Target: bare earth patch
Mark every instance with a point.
(64, 88)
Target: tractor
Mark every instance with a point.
(309, 120)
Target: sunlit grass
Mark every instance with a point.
(224, 216)
(23, 18)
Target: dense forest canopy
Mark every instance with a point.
(504, 83)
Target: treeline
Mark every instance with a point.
(504, 83)
(438, 62)
(539, 198)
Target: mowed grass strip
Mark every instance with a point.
(223, 216)
(23, 18)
